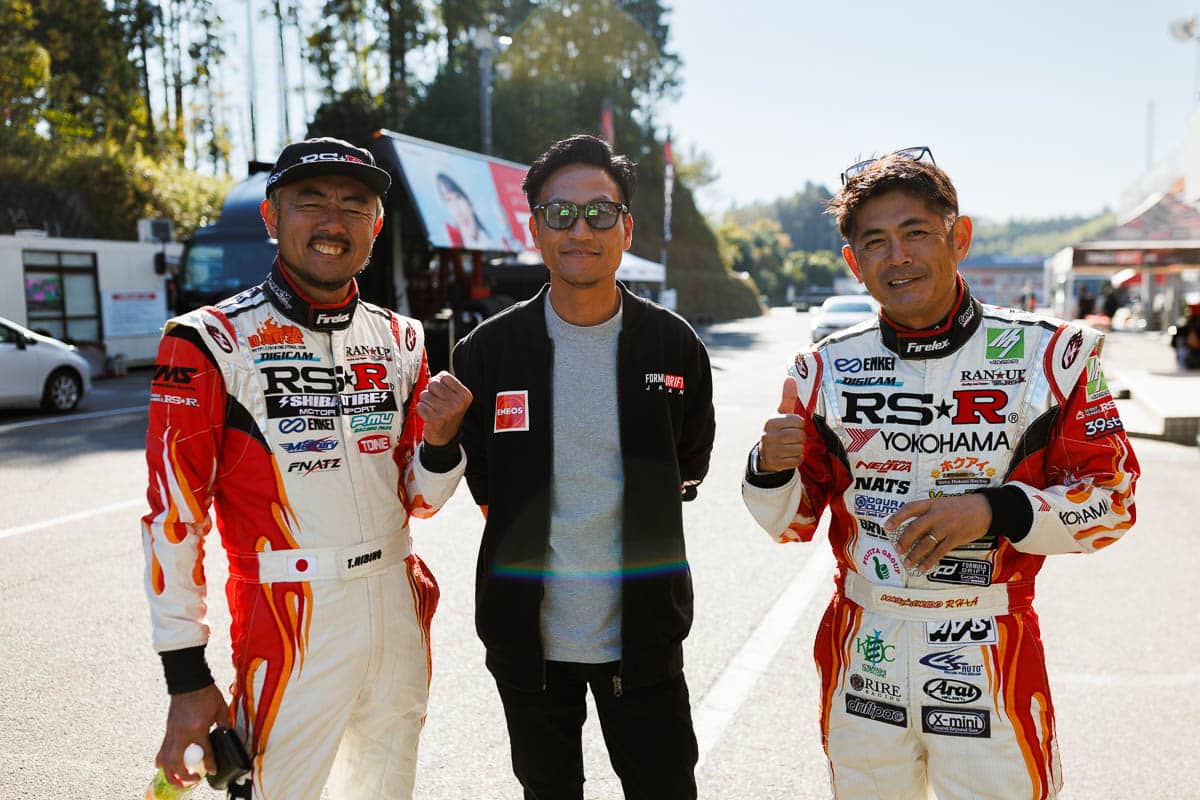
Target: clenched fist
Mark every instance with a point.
(442, 407)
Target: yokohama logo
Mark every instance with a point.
(859, 438)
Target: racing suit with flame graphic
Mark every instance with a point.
(298, 423)
(941, 677)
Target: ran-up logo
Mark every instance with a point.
(1005, 343)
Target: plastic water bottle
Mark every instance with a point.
(162, 789)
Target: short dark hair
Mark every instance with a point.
(921, 179)
(580, 149)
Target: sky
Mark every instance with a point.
(1035, 109)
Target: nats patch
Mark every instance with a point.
(512, 411)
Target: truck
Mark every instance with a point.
(454, 249)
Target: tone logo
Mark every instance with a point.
(512, 411)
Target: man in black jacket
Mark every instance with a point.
(592, 419)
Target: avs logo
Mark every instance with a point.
(1005, 343)
(323, 445)
(981, 630)
(956, 721)
(948, 690)
(176, 376)
(320, 465)
(512, 411)
(876, 711)
(362, 423)
(951, 662)
(875, 483)
(664, 381)
(870, 364)
(962, 570)
(970, 407)
(376, 443)
(1071, 352)
(301, 424)
(218, 336)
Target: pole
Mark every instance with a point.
(250, 76)
(485, 97)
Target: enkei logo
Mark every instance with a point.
(512, 411)
(870, 364)
(1005, 343)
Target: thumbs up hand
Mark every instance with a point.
(781, 446)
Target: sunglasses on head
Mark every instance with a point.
(911, 153)
(600, 215)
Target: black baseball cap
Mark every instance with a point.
(313, 158)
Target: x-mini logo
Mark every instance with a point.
(1005, 343)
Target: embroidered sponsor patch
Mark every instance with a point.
(512, 411)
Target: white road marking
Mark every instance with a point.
(71, 418)
(712, 715)
(68, 518)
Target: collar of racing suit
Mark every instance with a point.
(940, 340)
(294, 305)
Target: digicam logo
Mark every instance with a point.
(512, 411)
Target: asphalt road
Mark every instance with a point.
(82, 700)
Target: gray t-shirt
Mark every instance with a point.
(581, 607)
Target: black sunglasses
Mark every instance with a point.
(911, 153)
(600, 215)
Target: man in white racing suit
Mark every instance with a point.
(308, 419)
(954, 445)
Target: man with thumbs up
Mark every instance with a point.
(955, 445)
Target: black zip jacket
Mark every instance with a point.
(664, 394)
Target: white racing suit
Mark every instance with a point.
(298, 423)
(940, 678)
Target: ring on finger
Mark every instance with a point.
(936, 541)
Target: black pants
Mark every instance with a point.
(648, 732)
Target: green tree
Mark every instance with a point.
(24, 68)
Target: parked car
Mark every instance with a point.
(40, 370)
(842, 311)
